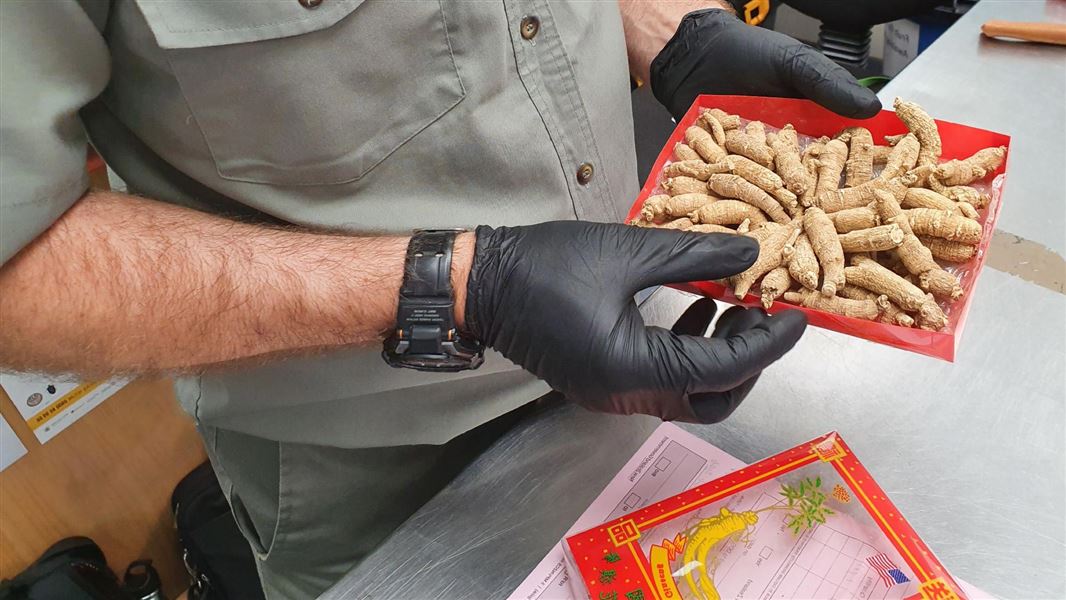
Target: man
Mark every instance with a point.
(282, 152)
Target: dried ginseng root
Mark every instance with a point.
(826, 244)
(953, 252)
(851, 219)
(874, 239)
(773, 285)
(943, 224)
(708, 228)
(860, 309)
(735, 186)
(870, 275)
(893, 314)
(917, 259)
(772, 242)
(785, 145)
(694, 168)
(860, 164)
(917, 197)
(831, 161)
(903, 157)
(728, 212)
(727, 120)
(923, 127)
(969, 170)
(684, 152)
(701, 141)
(804, 266)
(675, 186)
(662, 206)
(682, 223)
(747, 145)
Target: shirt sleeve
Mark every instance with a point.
(53, 61)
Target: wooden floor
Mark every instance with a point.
(109, 477)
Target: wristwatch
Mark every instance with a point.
(425, 337)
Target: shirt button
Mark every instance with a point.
(584, 173)
(310, 3)
(530, 26)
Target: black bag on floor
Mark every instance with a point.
(72, 569)
(218, 558)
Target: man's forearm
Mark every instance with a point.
(125, 285)
(649, 25)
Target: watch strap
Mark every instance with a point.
(426, 337)
(426, 312)
(428, 268)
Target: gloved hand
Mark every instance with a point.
(557, 299)
(714, 52)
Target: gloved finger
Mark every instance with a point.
(718, 364)
(661, 256)
(816, 77)
(696, 318)
(713, 407)
(738, 319)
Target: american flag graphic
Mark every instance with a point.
(887, 570)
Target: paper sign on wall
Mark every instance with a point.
(50, 406)
(901, 45)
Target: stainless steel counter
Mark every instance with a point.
(973, 453)
(1014, 88)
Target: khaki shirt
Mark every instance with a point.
(357, 115)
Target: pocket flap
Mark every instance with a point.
(203, 23)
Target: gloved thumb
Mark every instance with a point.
(663, 256)
(816, 77)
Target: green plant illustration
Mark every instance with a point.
(806, 504)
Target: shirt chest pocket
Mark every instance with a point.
(290, 95)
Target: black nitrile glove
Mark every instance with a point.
(716, 406)
(714, 52)
(557, 299)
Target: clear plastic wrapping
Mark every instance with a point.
(807, 523)
(811, 121)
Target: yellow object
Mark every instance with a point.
(659, 560)
(709, 532)
(756, 11)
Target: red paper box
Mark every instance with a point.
(959, 141)
(809, 522)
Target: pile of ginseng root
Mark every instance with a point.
(832, 236)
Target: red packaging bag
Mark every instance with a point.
(809, 522)
(810, 119)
